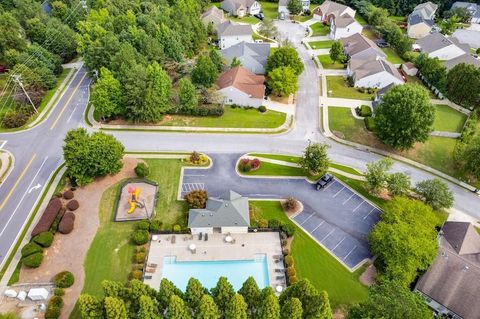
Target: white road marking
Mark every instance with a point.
(193, 175)
(318, 226)
(369, 213)
(3, 144)
(355, 247)
(338, 243)
(21, 199)
(34, 188)
(338, 192)
(70, 117)
(328, 186)
(348, 199)
(328, 235)
(358, 206)
(307, 219)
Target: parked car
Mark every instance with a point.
(259, 16)
(324, 181)
(382, 43)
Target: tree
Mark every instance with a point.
(393, 301)
(217, 59)
(433, 70)
(462, 13)
(435, 193)
(147, 308)
(324, 309)
(336, 52)
(269, 307)
(187, 96)
(268, 29)
(398, 184)
(377, 174)
(462, 83)
(166, 291)
(285, 56)
(471, 157)
(405, 116)
(235, 62)
(205, 72)
(315, 159)
(207, 309)
(90, 307)
(222, 293)
(283, 81)
(251, 294)
(295, 7)
(115, 308)
(236, 308)
(194, 293)
(157, 95)
(12, 34)
(292, 309)
(89, 156)
(106, 95)
(177, 309)
(313, 303)
(448, 26)
(405, 240)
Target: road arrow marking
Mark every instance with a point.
(34, 188)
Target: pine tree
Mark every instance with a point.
(115, 308)
(147, 308)
(236, 308)
(177, 309)
(251, 294)
(292, 309)
(207, 309)
(222, 293)
(269, 307)
(166, 291)
(194, 293)
(187, 95)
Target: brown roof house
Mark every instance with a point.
(213, 16)
(329, 10)
(451, 285)
(241, 87)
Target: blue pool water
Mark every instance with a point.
(208, 272)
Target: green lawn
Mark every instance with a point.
(271, 169)
(392, 56)
(270, 9)
(233, 117)
(360, 19)
(321, 44)
(327, 63)
(247, 19)
(320, 29)
(340, 120)
(369, 34)
(315, 263)
(448, 119)
(337, 87)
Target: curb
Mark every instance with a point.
(10, 166)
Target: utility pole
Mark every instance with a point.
(17, 79)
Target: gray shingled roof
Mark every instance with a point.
(433, 42)
(357, 43)
(426, 10)
(257, 51)
(363, 68)
(230, 210)
(466, 58)
(414, 19)
(453, 279)
(230, 28)
(472, 7)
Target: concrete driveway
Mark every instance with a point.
(336, 217)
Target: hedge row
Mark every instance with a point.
(48, 216)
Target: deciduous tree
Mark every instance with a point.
(463, 81)
(471, 157)
(285, 56)
(336, 52)
(217, 59)
(295, 7)
(187, 96)
(315, 159)
(398, 184)
(283, 81)
(435, 193)
(107, 95)
(268, 29)
(377, 174)
(205, 72)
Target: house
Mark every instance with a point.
(344, 26)
(465, 58)
(241, 87)
(241, 8)
(226, 214)
(373, 73)
(213, 16)
(359, 46)
(253, 56)
(379, 94)
(409, 68)
(420, 21)
(330, 10)
(452, 283)
(436, 45)
(473, 8)
(283, 11)
(230, 33)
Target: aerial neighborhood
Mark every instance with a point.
(234, 159)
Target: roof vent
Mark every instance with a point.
(211, 214)
(203, 214)
(226, 204)
(465, 268)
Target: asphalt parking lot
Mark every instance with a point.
(338, 218)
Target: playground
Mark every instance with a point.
(136, 201)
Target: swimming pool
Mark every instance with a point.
(208, 272)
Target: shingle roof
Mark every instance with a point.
(214, 11)
(426, 10)
(229, 210)
(231, 28)
(257, 51)
(453, 279)
(329, 7)
(344, 21)
(414, 19)
(465, 58)
(239, 3)
(357, 43)
(472, 7)
(244, 80)
(433, 42)
(362, 68)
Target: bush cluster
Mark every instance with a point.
(64, 279)
(274, 223)
(68, 195)
(67, 223)
(140, 237)
(364, 111)
(30, 249)
(142, 225)
(73, 205)
(246, 165)
(369, 123)
(155, 225)
(58, 292)
(48, 216)
(139, 258)
(202, 110)
(54, 308)
(34, 260)
(15, 118)
(289, 261)
(44, 239)
(142, 170)
(365, 90)
(177, 228)
(136, 274)
(197, 198)
(262, 108)
(291, 204)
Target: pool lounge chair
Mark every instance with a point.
(173, 239)
(279, 277)
(200, 235)
(206, 236)
(280, 270)
(150, 270)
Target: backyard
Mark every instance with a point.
(337, 87)
(392, 56)
(448, 119)
(327, 62)
(320, 29)
(321, 44)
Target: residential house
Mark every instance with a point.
(241, 8)
(241, 87)
(374, 72)
(226, 214)
(359, 46)
(230, 33)
(252, 56)
(436, 45)
(451, 285)
(283, 11)
(379, 94)
(465, 58)
(421, 20)
(329, 10)
(213, 16)
(344, 26)
(409, 68)
(473, 8)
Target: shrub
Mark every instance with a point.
(255, 163)
(283, 242)
(291, 271)
(177, 228)
(53, 312)
(262, 108)
(48, 216)
(67, 223)
(140, 249)
(291, 204)
(197, 198)
(262, 223)
(34, 260)
(365, 111)
(369, 123)
(14, 119)
(136, 274)
(68, 195)
(73, 205)
(44, 239)
(155, 225)
(64, 279)
(293, 280)
(56, 301)
(140, 237)
(244, 165)
(143, 225)
(137, 267)
(58, 292)
(194, 157)
(142, 170)
(288, 229)
(285, 251)
(274, 223)
(289, 260)
(140, 258)
(30, 249)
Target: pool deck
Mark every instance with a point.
(246, 246)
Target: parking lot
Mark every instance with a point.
(335, 216)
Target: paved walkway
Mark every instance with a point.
(332, 72)
(445, 134)
(319, 51)
(288, 109)
(350, 103)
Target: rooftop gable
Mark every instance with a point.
(244, 80)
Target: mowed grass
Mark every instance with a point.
(340, 120)
(327, 62)
(369, 34)
(316, 264)
(232, 117)
(270, 9)
(321, 44)
(448, 119)
(337, 87)
(246, 19)
(360, 19)
(392, 56)
(320, 29)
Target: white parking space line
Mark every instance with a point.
(328, 235)
(338, 243)
(348, 199)
(3, 144)
(351, 251)
(358, 206)
(328, 186)
(318, 226)
(369, 213)
(338, 192)
(307, 219)
(193, 175)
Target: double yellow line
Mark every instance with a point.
(18, 181)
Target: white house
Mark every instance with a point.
(373, 73)
(252, 56)
(344, 26)
(241, 87)
(283, 11)
(226, 214)
(436, 45)
(241, 8)
(230, 33)
(473, 8)
(330, 10)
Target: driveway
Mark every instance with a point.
(335, 217)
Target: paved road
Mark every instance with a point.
(38, 151)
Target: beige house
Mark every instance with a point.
(241, 8)
(420, 21)
(213, 16)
